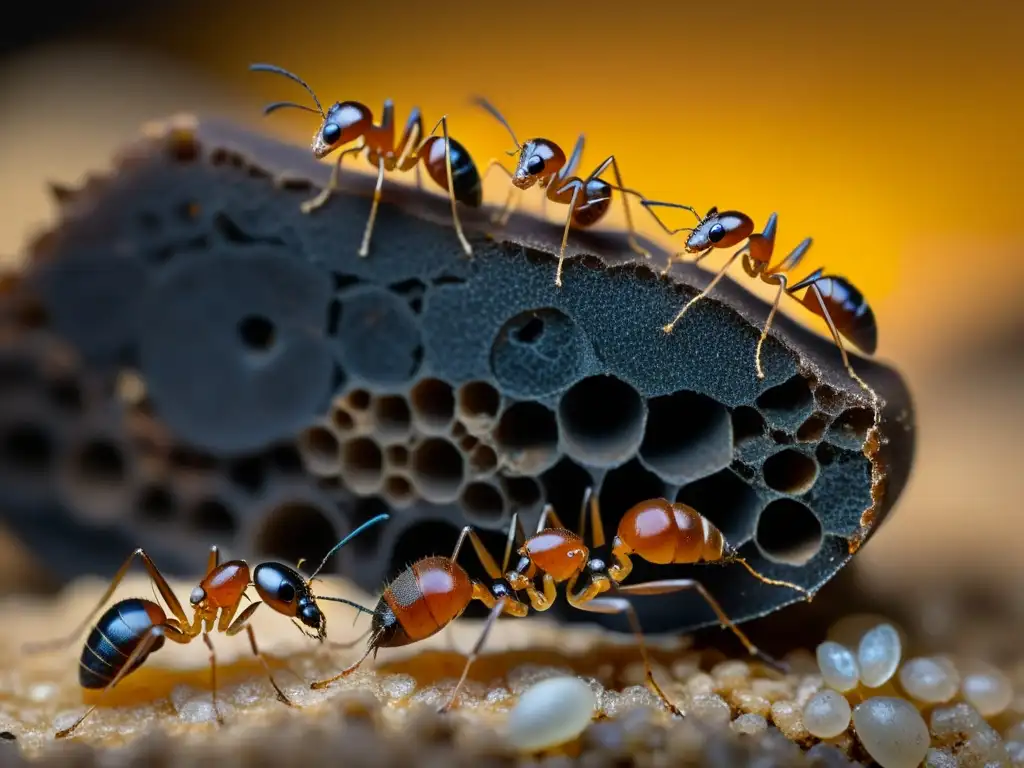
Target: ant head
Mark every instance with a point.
(538, 159)
(309, 613)
(343, 123)
(197, 597)
(719, 230)
(501, 588)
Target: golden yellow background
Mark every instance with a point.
(891, 132)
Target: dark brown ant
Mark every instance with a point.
(835, 299)
(132, 629)
(447, 162)
(542, 162)
(436, 590)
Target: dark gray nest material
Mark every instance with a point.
(294, 389)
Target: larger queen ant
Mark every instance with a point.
(542, 162)
(447, 162)
(130, 630)
(434, 591)
(833, 298)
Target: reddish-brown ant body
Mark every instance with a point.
(446, 161)
(132, 629)
(435, 591)
(835, 299)
(542, 162)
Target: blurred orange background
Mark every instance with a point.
(888, 131)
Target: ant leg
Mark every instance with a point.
(547, 515)
(577, 186)
(364, 248)
(667, 586)
(492, 619)
(625, 204)
(315, 203)
(213, 561)
(348, 670)
(511, 201)
(154, 574)
(145, 646)
(613, 605)
(481, 551)
(443, 125)
(242, 622)
(213, 677)
(768, 325)
(714, 281)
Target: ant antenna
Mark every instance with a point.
(290, 76)
(733, 557)
(482, 102)
(350, 603)
(582, 527)
(369, 523)
(281, 104)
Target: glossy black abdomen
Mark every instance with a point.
(117, 633)
(465, 175)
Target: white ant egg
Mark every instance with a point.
(879, 655)
(838, 666)
(550, 713)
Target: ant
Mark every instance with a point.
(542, 162)
(835, 299)
(132, 629)
(446, 161)
(659, 531)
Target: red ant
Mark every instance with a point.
(543, 162)
(132, 629)
(835, 299)
(435, 591)
(447, 162)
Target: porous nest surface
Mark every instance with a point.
(189, 359)
(736, 713)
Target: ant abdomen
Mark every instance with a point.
(593, 203)
(557, 552)
(663, 533)
(468, 188)
(428, 595)
(117, 633)
(848, 309)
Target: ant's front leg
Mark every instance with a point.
(317, 202)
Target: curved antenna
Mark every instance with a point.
(369, 523)
(353, 604)
(290, 76)
(480, 101)
(282, 104)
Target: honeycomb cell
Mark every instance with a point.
(812, 430)
(392, 417)
(396, 456)
(790, 471)
(359, 400)
(96, 478)
(458, 430)
(379, 336)
(524, 493)
(727, 501)
(27, 449)
(156, 504)
(537, 353)
(482, 460)
(321, 450)
(602, 421)
(468, 443)
(483, 504)
(478, 404)
(398, 491)
(747, 424)
(564, 486)
(211, 517)
(294, 530)
(438, 470)
(362, 465)
(249, 474)
(341, 419)
(788, 532)
(248, 324)
(787, 405)
(688, 436)
(620, 489)
(433, 405)
(420, 538)
(527, 438)
(850, 429)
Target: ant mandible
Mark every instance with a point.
(542, 162)
(446, 161)
(659, 531)
(132, 629)
(835, 299)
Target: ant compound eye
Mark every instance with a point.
(286, 592)
(716, 233)
(535, 165)
(331, 133)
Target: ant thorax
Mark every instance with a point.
(598, 562)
